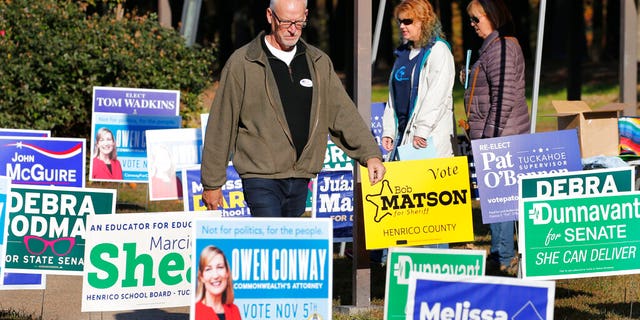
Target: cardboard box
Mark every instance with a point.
(597, 129)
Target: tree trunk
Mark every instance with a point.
(119, 11)
(164, 13)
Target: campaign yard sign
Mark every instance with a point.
(11, 280)
(584, 182)
(136, 101)
(281, 268)
(234, 204)
(406, 260)
(500, 162)
(377, 112)
(127, 133)
(5, 132)
(122, 115)
(168, 152)
(45, 227)
(333, 198)
(418, 202)
(23, 281)
(579, 225)
(138, 261)
(43, 161)
(438, 297)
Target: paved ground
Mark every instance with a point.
(61, 300)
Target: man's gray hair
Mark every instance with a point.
(272, 4)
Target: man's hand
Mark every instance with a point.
(212, 198)
(376, 170)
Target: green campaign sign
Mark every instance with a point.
(407, 260)
(578, 183)
(46, 227)
(580, 236)
(563, 186)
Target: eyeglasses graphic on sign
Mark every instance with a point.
(60, 247)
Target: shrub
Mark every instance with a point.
(53, 53)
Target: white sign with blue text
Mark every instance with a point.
(274, 269)
(439, 297)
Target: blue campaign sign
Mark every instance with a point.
(10, 280)
(377, 111)
(500, 162)
(121, 138)
(4, 132)
(333, 198)
(22, 281)
(43, 161)
(436, 297)
(280, 268)
(234, 204)
(136, 101)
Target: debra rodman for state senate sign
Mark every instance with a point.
(10, 280)
(45, 227)
(281, 268)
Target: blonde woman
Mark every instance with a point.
(214, 294)
(105, 164)
(420, 104)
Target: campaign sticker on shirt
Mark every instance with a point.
(306, 83)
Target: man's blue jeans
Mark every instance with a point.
(502, 242)
(276, 197)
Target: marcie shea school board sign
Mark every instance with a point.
(138, 261)
(580, 224)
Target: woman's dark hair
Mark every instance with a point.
(499, 14)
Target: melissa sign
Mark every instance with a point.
(437, 297)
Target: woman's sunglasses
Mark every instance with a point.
(406, 22)
(474, 19)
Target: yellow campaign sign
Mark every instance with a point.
(418, 202)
